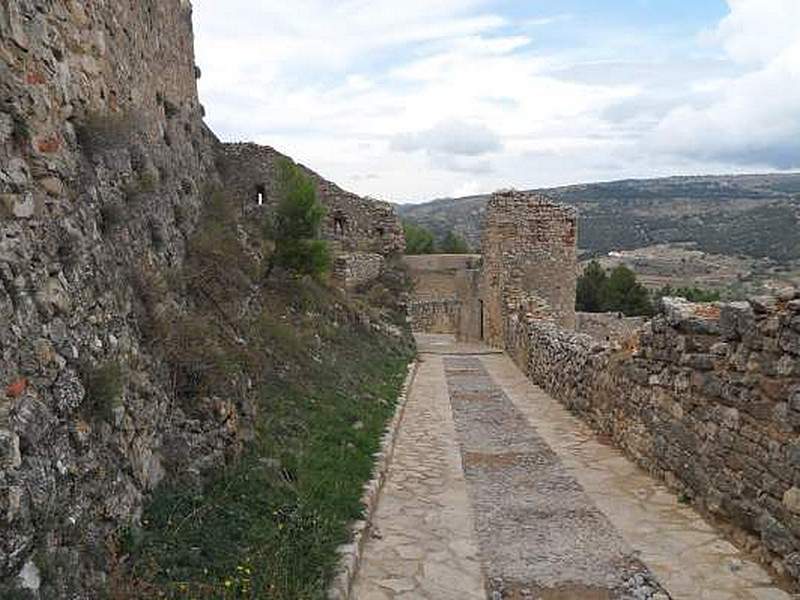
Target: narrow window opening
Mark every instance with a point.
(339, 224)
(261, 194)
(380, 231)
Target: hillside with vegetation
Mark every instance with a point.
(756, 216)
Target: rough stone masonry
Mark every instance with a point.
(103, 161)
(704, 396)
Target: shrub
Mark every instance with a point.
(454, 244)
(104, 386)
(112, 217)
(418, 239)
(625, 294)
(591, 288)
(295, 225)
(100, 132)
(619, 291)
(692, 294)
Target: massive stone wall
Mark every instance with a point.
(352, 223)
(708, 399)
(103, 154)
(529, 251)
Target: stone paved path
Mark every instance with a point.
(496, 491)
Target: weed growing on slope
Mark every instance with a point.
(269, 527)
(324, 380)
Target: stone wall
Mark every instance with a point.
(352, 270)
(446, 297)
(708, 399)
(352, 223)
(435, 316)
(608, 326)
(103, 154)
(529, 250)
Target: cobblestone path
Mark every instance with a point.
(496, 491)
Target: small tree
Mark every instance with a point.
(295, 225)
(592, 288)
(418, 239)
(454, 244)
(625, 294)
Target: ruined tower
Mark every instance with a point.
(529, 260)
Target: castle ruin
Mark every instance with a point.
(706, 397)
(528, 263)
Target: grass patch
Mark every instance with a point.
(269, 527)
(324, 385)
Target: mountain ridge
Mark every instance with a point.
(753, 215)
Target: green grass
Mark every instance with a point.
(269, 527)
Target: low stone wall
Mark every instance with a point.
(351, 270)
(435, 316)
(608, 326)
(708, 399)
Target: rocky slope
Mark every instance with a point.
(751, 215)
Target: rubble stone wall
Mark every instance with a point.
(103, 156)
(708, 399)
(352, 223)
(529, 249)
(352, 270)
(446, 297)
(435, 316)
(608, 326)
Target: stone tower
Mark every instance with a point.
(529, 259)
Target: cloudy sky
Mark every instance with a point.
(413, 100)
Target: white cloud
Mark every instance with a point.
(752, 119)
(420, 99)
(755, 31)
(450, 137)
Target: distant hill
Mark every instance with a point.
(741, 215)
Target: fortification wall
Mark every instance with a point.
(529, 250)
(352, 270)
(612, 326)
(446, 297)
(352, 223)
(103, 154)
(708, 399)
(435, 316)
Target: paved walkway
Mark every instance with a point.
(496, 491)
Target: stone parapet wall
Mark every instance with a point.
(608, 326)
(352, 223)
(435, 316)
(351, 270)
(708, 399)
